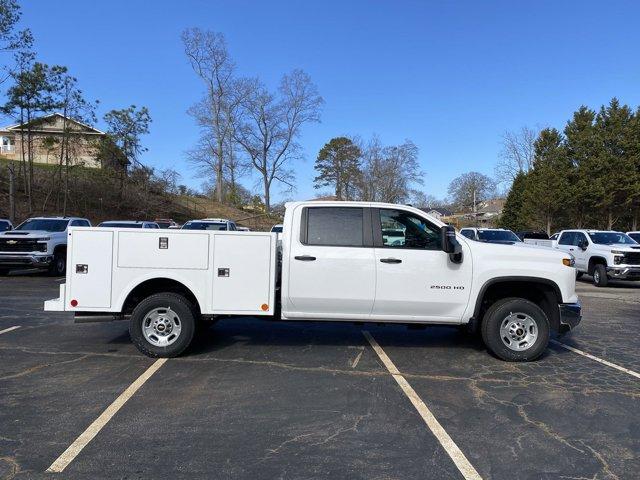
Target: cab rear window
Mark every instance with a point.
(334, 226)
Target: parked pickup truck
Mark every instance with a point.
(602, 254)
(39, 242)
(336, 263)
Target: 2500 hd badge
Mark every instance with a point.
(447, 287)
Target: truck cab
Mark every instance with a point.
(336, 261)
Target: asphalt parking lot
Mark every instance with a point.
(264, 399)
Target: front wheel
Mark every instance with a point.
(515, 330)
(163, 325)
(58, 266)
(600, 276)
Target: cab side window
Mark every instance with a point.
(567, 238)
(401, 229)
(579, 237)
(333, 226)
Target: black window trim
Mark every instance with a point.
(367, 230)
(377, 231)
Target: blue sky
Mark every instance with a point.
(451, 76)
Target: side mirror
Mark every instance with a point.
(450, 244)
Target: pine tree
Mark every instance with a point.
(338, 165)
(515, 215)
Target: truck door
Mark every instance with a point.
(416, 280)
(332, 271)
(579, 254)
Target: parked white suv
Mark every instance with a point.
(602, 254)
(39, 242)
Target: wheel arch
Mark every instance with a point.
(542, 291)
(595, 260)
(149, 286)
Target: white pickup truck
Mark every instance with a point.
(337, 261)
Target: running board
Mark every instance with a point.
(93, 317)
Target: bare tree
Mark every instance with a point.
(270, 125)
(388, 173)
(517, 153)
(208, 55)
(471, 188)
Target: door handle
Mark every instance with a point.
(390, 260)
(305, 258)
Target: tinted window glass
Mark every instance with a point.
(566, 238)
(497, 236)
(635, 236)
(467, 233)
(276, 229)
(48, 225)
(120, 225)
(4, 226)
(609, 238)
(336, 226)
(204, 226)
(402, 229)
(579, 237)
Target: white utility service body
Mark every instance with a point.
(340, 261)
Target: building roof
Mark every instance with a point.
(445, 212)
(48, 124)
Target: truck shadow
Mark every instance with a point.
(256, 332)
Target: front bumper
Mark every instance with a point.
(624, 272)
(27, 260)
(570, 316)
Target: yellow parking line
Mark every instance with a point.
(85, 437)
(596, 359)
(464, 466)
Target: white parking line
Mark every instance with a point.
(85, 437)
(596, 359)
(465, 467)
(10, 329)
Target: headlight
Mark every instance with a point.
(43, 239)
(617, 252)
(569, 262)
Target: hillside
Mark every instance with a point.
(102, 195)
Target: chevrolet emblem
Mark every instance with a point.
(11, 242)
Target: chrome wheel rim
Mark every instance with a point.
(596, 276)
(161, 327)
(518, 331)
(61, 264)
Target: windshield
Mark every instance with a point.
(497, 236)
(204, 226)
(120, 225)
(609, 238)
(635, 236)
(277, 229)
(46, 224)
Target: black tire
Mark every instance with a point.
(579, 275)
(500, 312)
(600, 275)
(58, 267)
(184, 311)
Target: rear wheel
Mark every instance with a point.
(600, 276)
(163, 325)
(58, 266)
(515, 330)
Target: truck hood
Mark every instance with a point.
(27, 234)
(618, 246)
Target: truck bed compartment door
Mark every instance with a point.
(90, 268)
(243, 274)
